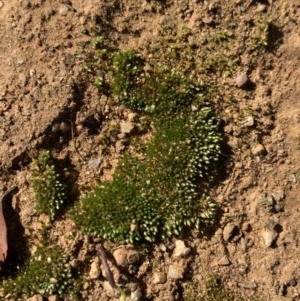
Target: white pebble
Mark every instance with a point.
(174, 272)
(95, 271)
(63, 10)
(241, 80)
(180, 249)
(269, 236)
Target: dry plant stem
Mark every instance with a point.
(108, 272)
(3, 229)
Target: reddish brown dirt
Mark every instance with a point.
(41, 83)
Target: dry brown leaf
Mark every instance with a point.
(3, 229)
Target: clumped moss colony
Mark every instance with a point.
(215, 291)
(157, 196)
(47, 272)
(49, 191)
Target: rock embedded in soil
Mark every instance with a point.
(248, 122)
(261, 8)
(258, 150)
(63, 10)
(159, 278)
(228, 231)
(162, 247)
(269, 235)
(180, 249)
(127, 127)
(110, 292)
(120, 256)
(174, 272)
(23, 79)
(95, 271)
(94, 163)
(241, 80)
(207, 20)
(223, 261)
(278, 196)
(136, 295)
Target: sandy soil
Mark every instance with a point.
(42, 83)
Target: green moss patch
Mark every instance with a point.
(155, 194)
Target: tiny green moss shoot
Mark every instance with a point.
(48, 190)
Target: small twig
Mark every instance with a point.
(108, 272)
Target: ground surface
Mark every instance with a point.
(42, 83)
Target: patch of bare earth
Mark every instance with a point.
(46, 103)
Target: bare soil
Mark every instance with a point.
(43, 83)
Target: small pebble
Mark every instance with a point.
(278, 208)
(63, 10)
(194, 108)
(136, 295)
(23, 79)
(82, 20)
(162, 247)
(292, 178)
(174, 272)
(249, 121)
(20, 61)
(31, 72)
(112, 293)
(64, 126)
(224, 261)
(258, 150)
(278, 196)
(228, 231)
(95, 271)
(261, 8)
(207, 20)
(241, 80)
(55, 127)
(131, 116)
(120, 256)
(269, 235)
(159, 278)
(180, 249)
(94, 163)
(127, 127)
